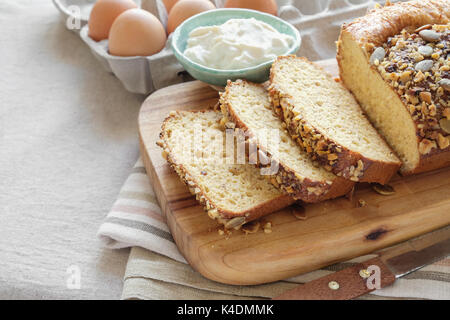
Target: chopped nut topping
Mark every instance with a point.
(405, 76)
(446, 113)
(425, 96)
(445, 125)
(426, 145)
(443, 142)
(160, 143)
(416, 65)
(332, 156)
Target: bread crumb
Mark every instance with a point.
(268, 227)
(362, 203)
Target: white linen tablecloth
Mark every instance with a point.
(68, 138)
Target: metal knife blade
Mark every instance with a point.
(417, 253)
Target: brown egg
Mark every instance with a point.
(169, 4)
(103, 15)
(136, 32)
(268, 6)
(185, 9)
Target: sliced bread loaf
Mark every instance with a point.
(400, 75)
(325, 119)
(247, 105)
(193, 144)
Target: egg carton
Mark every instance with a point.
(318, 21)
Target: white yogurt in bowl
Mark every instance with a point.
(228, 50)
(236, 44)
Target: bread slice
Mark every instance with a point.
(410, 109)
(233, 194)
(247, 105)
(325, 119)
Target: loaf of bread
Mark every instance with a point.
(327, 122)
(247, 107)
(233, 194)
(395, 61)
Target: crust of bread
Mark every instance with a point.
(228, 218)
(432, 161)
(349, 164)
(379, 24)
(376, 27)
(286, 179)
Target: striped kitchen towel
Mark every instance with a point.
(136, 220)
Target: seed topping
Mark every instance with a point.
(416, 64)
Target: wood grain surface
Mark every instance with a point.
(333, 231)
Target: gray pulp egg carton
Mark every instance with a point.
(318, 21)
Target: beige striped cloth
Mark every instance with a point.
(161, 272)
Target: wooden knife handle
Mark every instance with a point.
(345, 284)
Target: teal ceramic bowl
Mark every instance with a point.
(258, 73)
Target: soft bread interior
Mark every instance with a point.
(197, 142)
(381, 104)
(251, 105)
(329, 107)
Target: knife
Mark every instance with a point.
(378, 272)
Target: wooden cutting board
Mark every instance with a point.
(333, 231)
